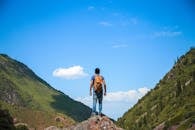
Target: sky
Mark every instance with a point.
(133, 42)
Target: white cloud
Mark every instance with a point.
(119, 101)
(167, 33)
(120, 96)
(128, 96)
(104, 23)
(119, 46)
(73, 72)
(91, 8)
(143, 91)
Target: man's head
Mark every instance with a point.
(97, 71)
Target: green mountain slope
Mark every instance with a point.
(171, 104)
(29, 98)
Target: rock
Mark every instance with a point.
(95, 123)
(160, 126)
(192, 128)
(51, 128)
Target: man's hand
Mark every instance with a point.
(104, 93)
(90, 93)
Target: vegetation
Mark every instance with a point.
(170, 103)
(31, 100)
(6, 121)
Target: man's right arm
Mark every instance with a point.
(91, 86)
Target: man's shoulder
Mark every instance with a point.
(102, 77)
(93, 77)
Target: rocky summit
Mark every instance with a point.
(93, 123)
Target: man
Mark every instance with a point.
(97, 83)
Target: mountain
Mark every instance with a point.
(170, 105)
(32, 101)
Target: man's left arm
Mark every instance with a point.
(104, 82)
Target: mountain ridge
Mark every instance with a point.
(21, 90)
(171, 104)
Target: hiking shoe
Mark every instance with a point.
(93, 114)
(100, 114)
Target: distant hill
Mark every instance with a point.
(171, 104)
(31, 100)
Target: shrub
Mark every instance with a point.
(21, 127)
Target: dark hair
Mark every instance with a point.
(97, 71)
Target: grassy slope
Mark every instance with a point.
(30, 95)
(171, 102)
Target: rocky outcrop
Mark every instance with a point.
(9, 92)
(93, 123)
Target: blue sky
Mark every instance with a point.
(134, 43)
